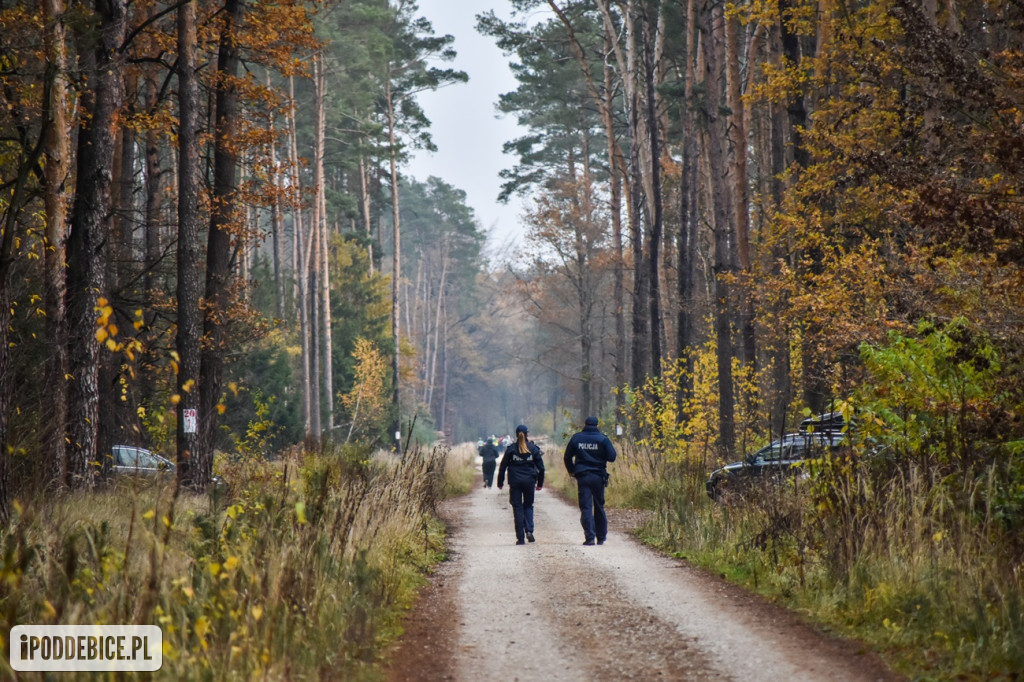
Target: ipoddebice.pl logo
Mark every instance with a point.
(86, 647)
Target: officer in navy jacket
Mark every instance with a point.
(489, 453)
(524, 462)
(586, 457)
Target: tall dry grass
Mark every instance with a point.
(301, 572)
(900, 561)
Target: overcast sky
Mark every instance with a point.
(464, 120)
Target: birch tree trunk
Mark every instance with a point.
(396, 270)
(301, 267)
(276, 226)
(327, 371)
(364, 185)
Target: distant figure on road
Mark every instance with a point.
(489, 453)
(525, 464)
(586, 458)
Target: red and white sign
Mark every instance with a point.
(191, 421)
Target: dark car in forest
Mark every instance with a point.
(135, 461)
(783, 457)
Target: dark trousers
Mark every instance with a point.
(521, 497)
(590, 488)
(489, 465)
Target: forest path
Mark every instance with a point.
(559, 611)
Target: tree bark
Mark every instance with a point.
(301, 266)
(189, 328)
(57, 148)
(90, 225)
(276, 224)
(656, 202)
(219, 276)
(327, 370)
(712, 27)
(396, 271)
(688, 335)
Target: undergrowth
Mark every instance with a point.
(302, 571)
(909, 538)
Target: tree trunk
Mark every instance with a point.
(57, 142)
(189, 329)
(102, 64)
(327, 374)
(712, 27)
(301, 266)
(654, 264)
(364, 184)
(814, 385)
(396, 272)
(738, 138)
(688, 336)
(218, 246)
(615, 172)
(276, 224)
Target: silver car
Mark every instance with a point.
(136, 461)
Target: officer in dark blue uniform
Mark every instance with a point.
(586, 457)
(489, 453)
(525, 465)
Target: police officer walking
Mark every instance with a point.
(586, 457)
(524, 462)
(489, 453)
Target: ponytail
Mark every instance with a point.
(521, 443)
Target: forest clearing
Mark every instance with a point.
(774, 247)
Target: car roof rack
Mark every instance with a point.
(824, 422)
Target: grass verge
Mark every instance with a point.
(302, 572)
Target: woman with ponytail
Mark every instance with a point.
(525, 465)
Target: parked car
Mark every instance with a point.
(135, 461)
(782, 457)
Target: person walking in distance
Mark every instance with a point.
(489, 453)
(524, 462)
(586, 459)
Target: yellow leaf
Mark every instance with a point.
(148, 515)
(257, 612)
(214, 570)
(230, 563)
(300, 511)
(101, 334)
(221, 408)
(175, 399)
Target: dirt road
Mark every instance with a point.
(555, 610)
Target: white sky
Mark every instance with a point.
(464, 119)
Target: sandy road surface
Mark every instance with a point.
(556, 610)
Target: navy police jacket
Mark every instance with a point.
(523, 469)
(588, 451)
(489, 451)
